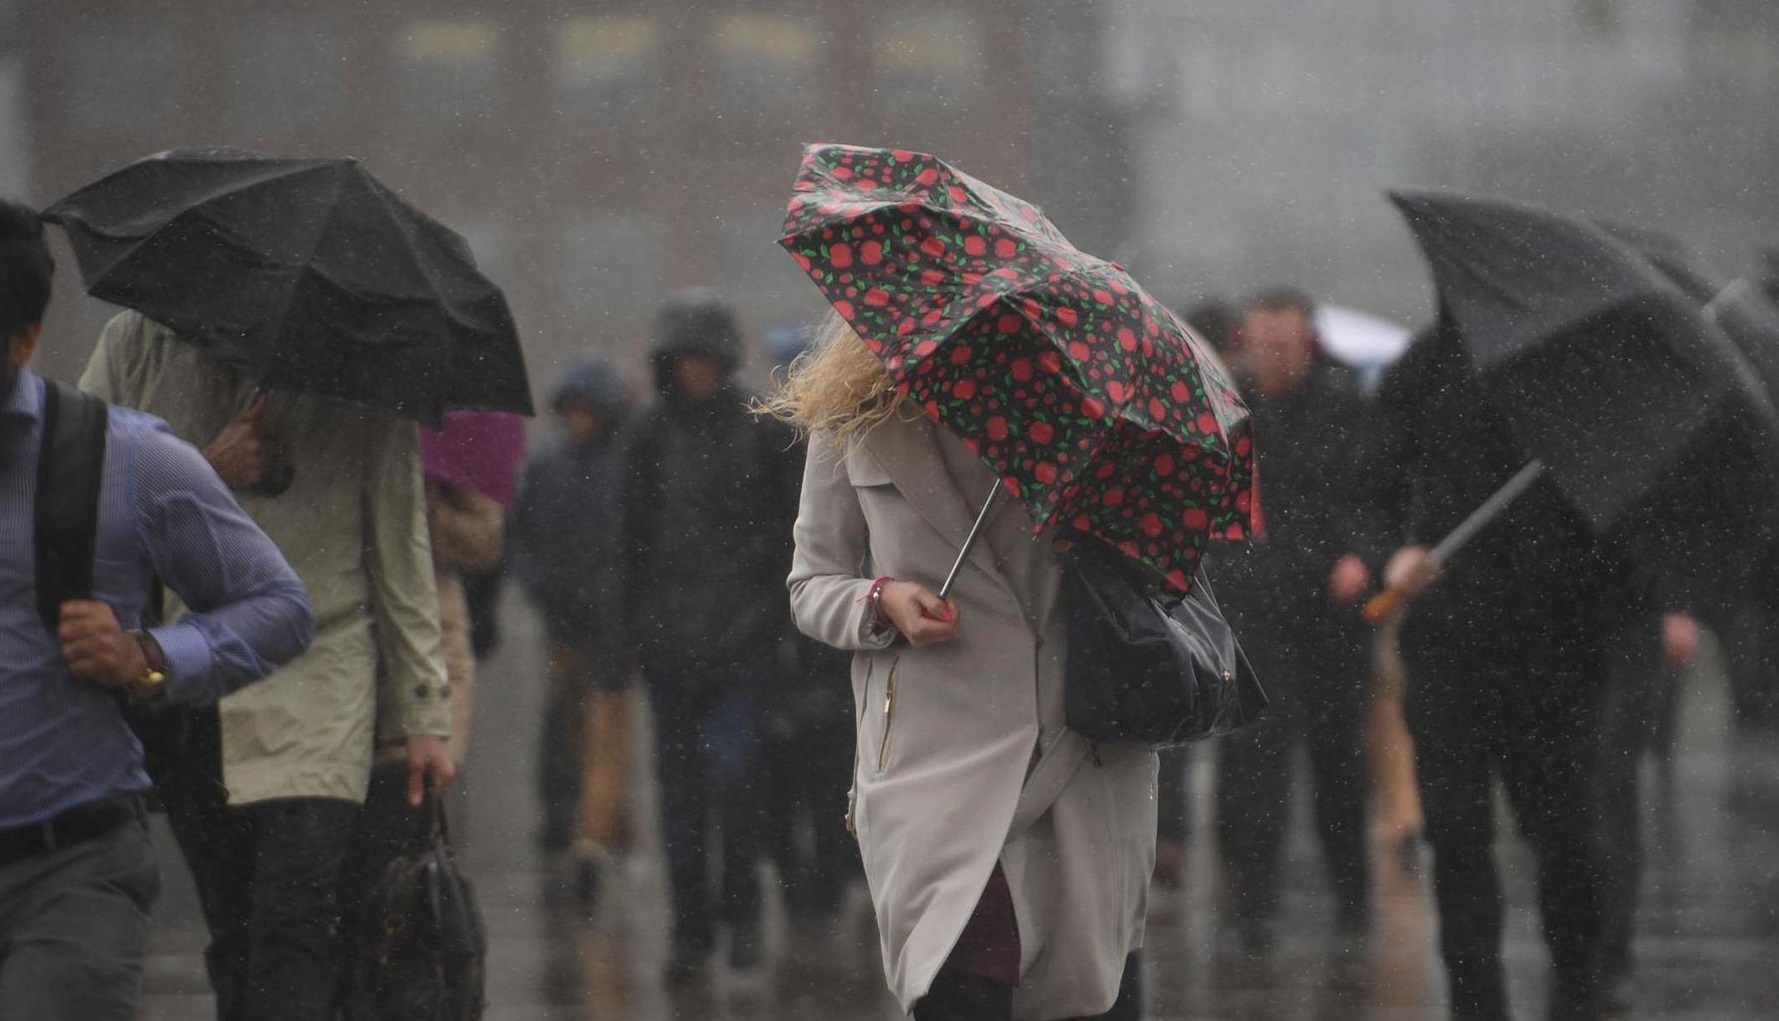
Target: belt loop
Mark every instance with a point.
(48, 829)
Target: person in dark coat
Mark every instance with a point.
(710, 496)
(1508, 649)
(1290, 594)
(564, 546)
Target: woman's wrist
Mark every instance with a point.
(879, 621)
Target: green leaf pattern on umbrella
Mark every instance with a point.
(1088, 397)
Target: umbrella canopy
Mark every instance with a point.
(1600, 364)
(305, 274)
(479, 450)
(1727, 480)
(1093, 404)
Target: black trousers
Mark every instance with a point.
(708, 767)
(1631, 719)
(808, 771)
(1317, 688)
(1535, 725)
(966, 998)
(267, 877)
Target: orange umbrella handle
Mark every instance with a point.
(1381, 606)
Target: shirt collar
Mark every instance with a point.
(26, 402)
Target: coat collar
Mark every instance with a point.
(909, 454)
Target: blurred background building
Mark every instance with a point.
(598, 155)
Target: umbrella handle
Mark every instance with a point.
(1381, 606)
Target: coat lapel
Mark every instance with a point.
(910, 456)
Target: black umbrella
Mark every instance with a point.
(306, 274)
(1724, 480)
(1622, 391)
(1601, 362)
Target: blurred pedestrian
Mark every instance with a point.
(1291, 596)
(565, 547)
(809, 746)
(78, 875)
(1507, 651)
(263, 793)
(978, 922)
(709, 495)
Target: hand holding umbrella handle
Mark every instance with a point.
(1384, 603)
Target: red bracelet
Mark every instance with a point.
(874, 606)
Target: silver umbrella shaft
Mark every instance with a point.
(1489, 511)
(970, 540)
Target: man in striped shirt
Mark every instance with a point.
(77, 872)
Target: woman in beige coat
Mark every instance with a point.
(1008, 859)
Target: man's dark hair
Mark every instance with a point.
(1283, 299)
(26, 268)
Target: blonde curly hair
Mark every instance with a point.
(837, 387)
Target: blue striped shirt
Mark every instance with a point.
(162, 512)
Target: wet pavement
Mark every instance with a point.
(1707, 945)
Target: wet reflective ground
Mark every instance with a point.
(1708, 941)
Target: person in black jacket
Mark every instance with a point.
(710, 497)
(564, 545)
(1508, 655)
(1290, 595)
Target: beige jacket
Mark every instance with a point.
(353, 525)
(963, 758)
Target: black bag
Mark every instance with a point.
(1146, 665)
(421, 952)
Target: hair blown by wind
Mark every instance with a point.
(837, 387)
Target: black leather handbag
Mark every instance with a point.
(422, 948)
(1145, 664)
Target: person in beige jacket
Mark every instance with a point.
(1008, 860)
(265, 840)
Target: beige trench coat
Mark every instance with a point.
(963, 758)
(353, 526)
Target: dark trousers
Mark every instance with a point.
(1173, 805)
(1537, 727)
(267, 877)
(1318, 695)
(74, 928)
(708, 764)
(1633, 708)
(808, 770)
(955, 997)
(386, 829)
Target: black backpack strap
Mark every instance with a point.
(70, 469)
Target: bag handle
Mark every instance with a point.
(433, 826)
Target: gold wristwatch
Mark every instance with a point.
(154, 666)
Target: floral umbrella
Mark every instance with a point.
(1088, 398)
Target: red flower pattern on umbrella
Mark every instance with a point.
(1085, 395)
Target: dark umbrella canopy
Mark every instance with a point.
(1603, 366)
(1718, 500)
(1086, 396)
(305, 274)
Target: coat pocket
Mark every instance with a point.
(889, 716)
(858, 736)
